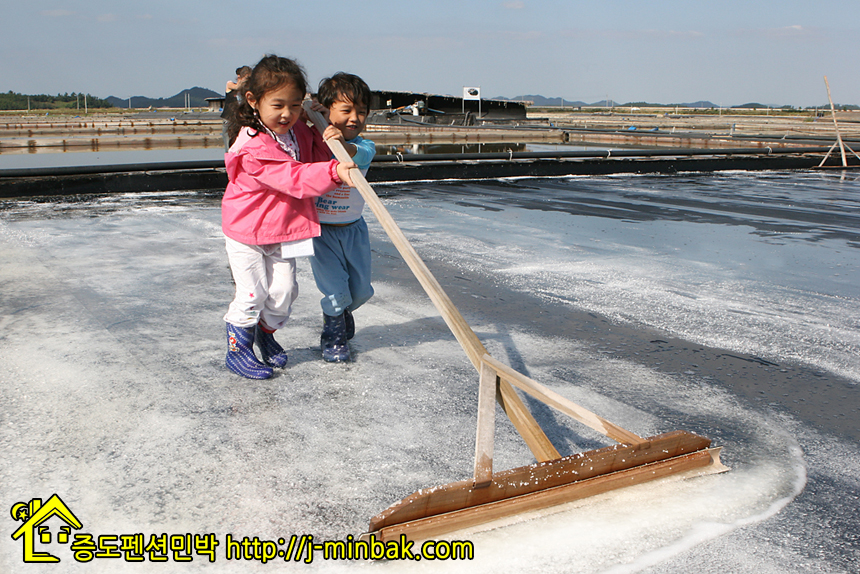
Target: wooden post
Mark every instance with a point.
(835, 125)
(485, 434)
(562, 404)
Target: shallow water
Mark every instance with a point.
(113, 392)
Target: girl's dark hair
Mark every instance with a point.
(344, 85)
(270, 73)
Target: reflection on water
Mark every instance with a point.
(40, 160)
(13, 161)
(486, 148)
(450, 148)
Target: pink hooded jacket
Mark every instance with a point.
(269, 197)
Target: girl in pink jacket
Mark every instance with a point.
(276, 166)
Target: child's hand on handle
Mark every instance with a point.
(332, 132)
(343, 172)
(315, 106)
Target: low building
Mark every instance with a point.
(215, 104)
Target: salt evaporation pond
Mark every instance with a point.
(723, 304)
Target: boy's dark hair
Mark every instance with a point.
(270, 73)
(343, 85)
(243, 71)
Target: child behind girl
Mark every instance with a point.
(341, 261)
(276, 166)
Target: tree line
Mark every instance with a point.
(14, 101)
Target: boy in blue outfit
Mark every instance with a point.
(341, 261)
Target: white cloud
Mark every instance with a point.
(57, 13)
(417, 44)
(504, 36)
(514, 5)
(795, 31)
(683, 33)
(634, 35)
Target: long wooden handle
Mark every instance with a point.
(522, 419)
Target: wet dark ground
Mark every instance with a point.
(777, 209)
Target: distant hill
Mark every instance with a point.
(604, 104)
(544, 101)
(74, 101)
(700, 104)
(197, 100)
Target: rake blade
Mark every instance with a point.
(436, 511)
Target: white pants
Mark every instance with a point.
(266, 285)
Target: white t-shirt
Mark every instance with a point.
(342, 205)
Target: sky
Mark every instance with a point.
(730, 52)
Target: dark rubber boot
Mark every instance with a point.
(333, 339)
(240, 353)
(350, 324)
(273, 354)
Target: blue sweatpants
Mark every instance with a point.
(341, 266)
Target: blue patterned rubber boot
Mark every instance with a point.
(273, 354)
(240, 353)
(350, 324)
(333, 339)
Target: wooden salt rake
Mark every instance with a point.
(554, 479)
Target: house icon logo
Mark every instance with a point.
(35, 517)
